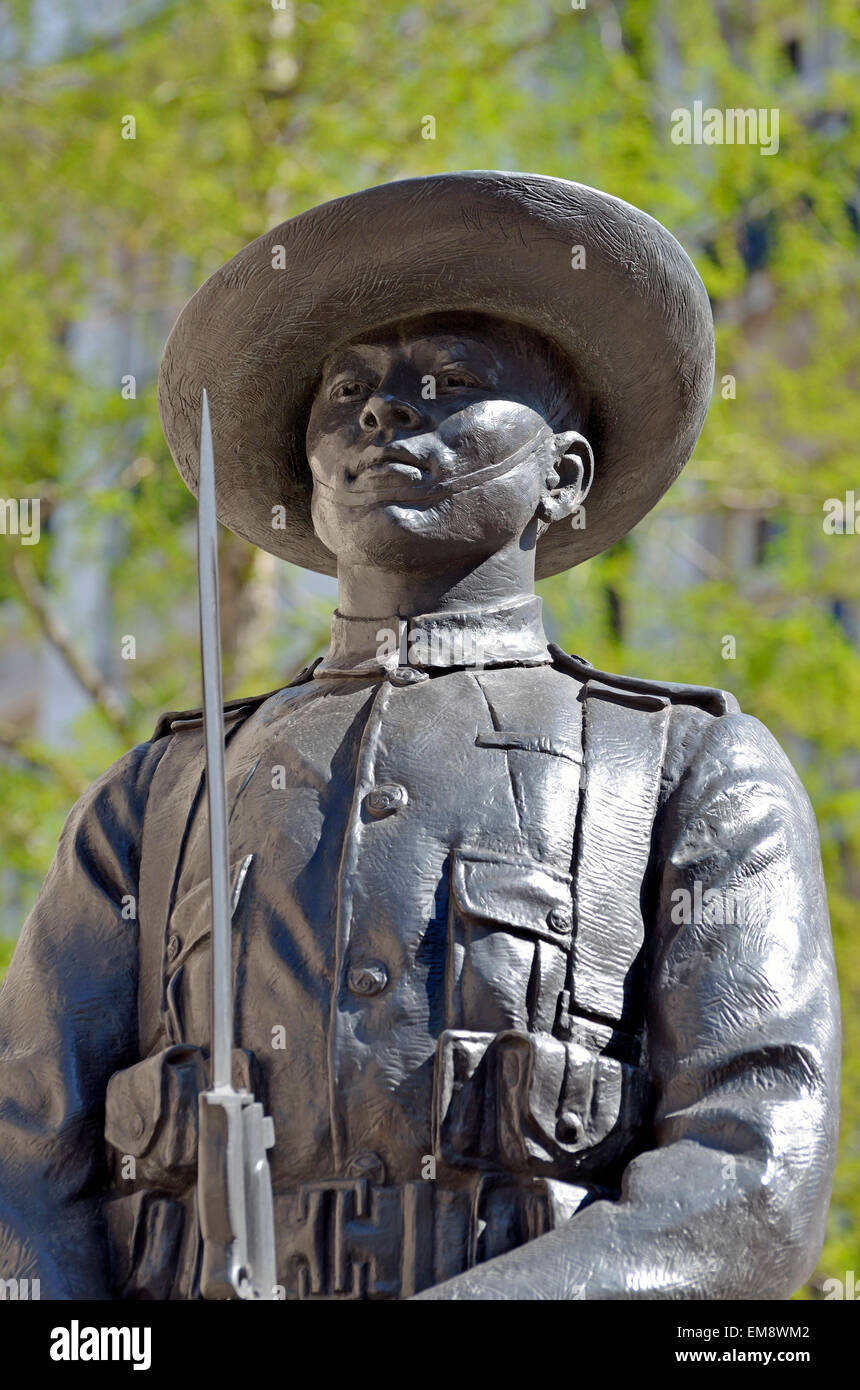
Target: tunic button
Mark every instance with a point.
(387, 797)
(407, 675)
(368, 979)
(173, 947)
(560, 921)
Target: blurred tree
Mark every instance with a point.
(244, 112)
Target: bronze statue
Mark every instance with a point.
(532, 966)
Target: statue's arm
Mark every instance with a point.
(730, 1199)
(68, 1020)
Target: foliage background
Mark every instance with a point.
(248, 111)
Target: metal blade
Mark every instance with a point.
(213, 725)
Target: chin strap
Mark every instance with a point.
(433, 491)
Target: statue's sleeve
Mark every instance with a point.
(68, 1021)
(729, 1199)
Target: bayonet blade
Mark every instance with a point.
(234, 1186)
(213, 726)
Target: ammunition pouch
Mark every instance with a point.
(534, 1105)
(146, 1231)
(151, 1116)
(151, 1129)
(347, 1239)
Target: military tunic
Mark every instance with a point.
(469, 988)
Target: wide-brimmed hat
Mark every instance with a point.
(602, 280)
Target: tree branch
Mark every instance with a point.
(31, 757)
(84, 671)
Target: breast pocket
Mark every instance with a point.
(188, 956)
(509, 936)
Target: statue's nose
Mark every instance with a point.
(383, 412)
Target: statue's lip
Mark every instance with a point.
(390, 462)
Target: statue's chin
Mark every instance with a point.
(419, 538)
(406, 539)
(365, 528)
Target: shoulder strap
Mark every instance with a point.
(624, 736)
(173, 798)
(705, 697)
(174, 721)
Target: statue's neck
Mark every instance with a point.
(366, 591)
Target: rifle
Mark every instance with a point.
(234, 1185)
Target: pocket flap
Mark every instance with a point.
(151, 1108)
(134, 1101)
(529, 1103)
(519, 894)
(191, 918)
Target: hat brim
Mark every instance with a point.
(628, 311)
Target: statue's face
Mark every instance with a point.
(427, 443)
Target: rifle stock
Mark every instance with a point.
(234, 1194)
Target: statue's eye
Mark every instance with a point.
(456, 378)
(347, 390)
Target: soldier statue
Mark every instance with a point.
(531, 963)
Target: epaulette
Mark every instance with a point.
(176, 721)
(705, 697)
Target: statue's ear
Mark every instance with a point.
(575, 462)
(573, 476)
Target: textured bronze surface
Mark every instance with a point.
(532, 962)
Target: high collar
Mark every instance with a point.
(510, 634)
